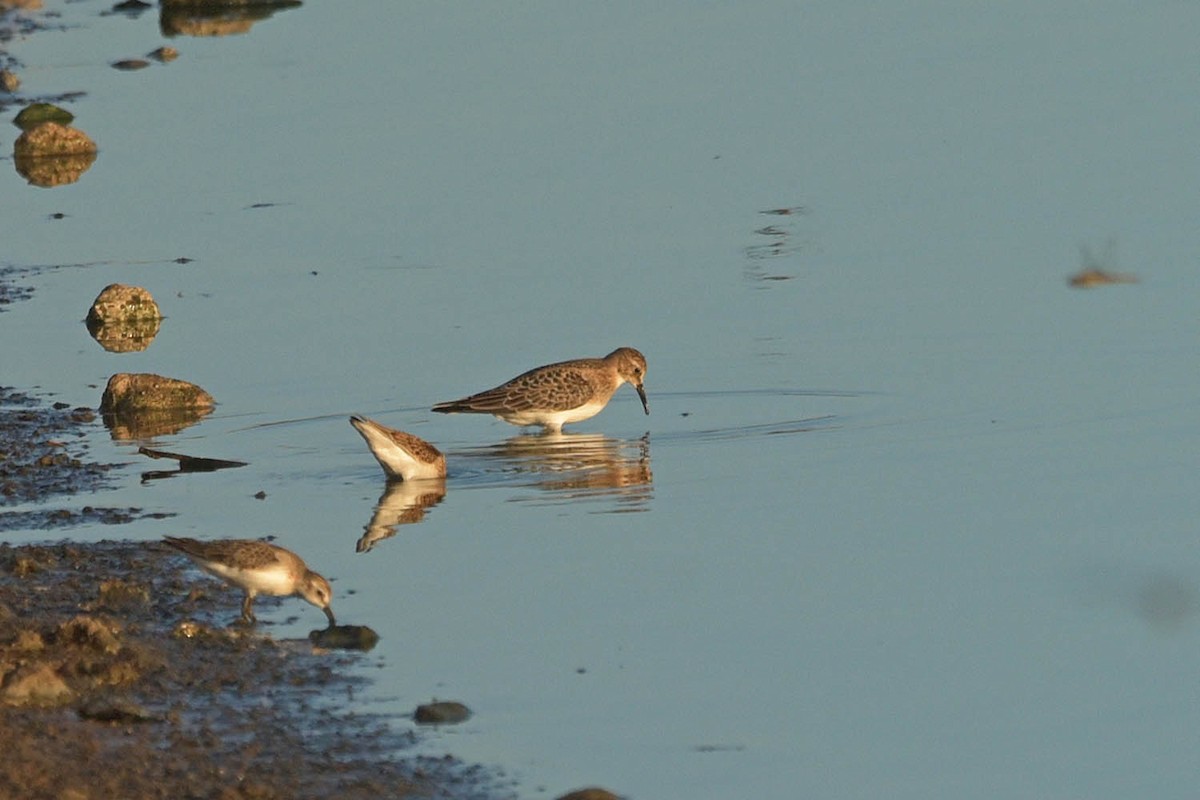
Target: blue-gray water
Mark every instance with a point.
(909, 518)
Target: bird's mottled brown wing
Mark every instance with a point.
(545, 389)
(420, 448)
(241, 553)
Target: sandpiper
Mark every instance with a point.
(258, 568)
(558, 394)
(402, 455)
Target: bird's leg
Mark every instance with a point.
(248, 610)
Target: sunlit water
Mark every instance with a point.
(909, 517)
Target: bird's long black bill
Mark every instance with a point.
(329, 613)
(642, 394)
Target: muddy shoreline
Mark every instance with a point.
(114, 660)
(117, 658)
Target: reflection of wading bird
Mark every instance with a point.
(577, 466)
(402, 503)
(558, 394)
(258, 568)
(402, 455)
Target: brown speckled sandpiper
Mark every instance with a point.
(258, 568)
(402, 455)
(558, 394)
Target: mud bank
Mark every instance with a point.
(110, 663)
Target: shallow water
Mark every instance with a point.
(909, 516)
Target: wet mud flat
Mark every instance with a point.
(115, 681)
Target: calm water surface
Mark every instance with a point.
(909, 518)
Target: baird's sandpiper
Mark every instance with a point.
(558, 394)
(258, 568)
(402, 455)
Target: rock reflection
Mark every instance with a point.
(125, 337)
(214, 17)
(402, 503)
(580, 466)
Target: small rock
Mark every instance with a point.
(129, 64)
(116, 593)
(9, 82)
(441, 712)
(590, 793)
(130, 392)
(345, 637)
(24, 566)
(118, 303)
(164, 54)
(90, 632)
(28, 641)
(52, 139)
(144, 405)
(50, 154)
(37, 113)
(37, 684)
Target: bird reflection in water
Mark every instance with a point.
(569, 467)
(578, 466)
(402, 503)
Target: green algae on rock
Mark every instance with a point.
(35, 114)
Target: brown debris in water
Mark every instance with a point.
(1091, 278)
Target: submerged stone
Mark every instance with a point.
(441, 712)
(345, 637)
